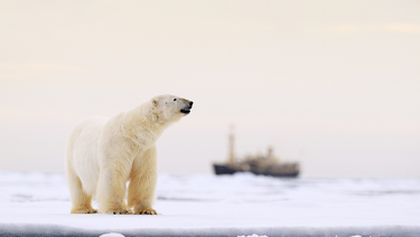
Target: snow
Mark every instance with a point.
(121, 235)
(239, 205)
(253, 235)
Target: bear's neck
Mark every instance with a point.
(143, 125)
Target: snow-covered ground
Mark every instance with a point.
(226, 206)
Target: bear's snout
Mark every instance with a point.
(187, 109)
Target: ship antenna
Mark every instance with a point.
(231, 155)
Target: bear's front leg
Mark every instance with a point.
(141, 190)
(111, 191)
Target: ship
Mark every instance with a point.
(260, 164)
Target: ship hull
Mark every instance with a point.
(224, 169)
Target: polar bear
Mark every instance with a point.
(104, 155)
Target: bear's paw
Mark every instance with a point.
(147, 211)
(83, 211)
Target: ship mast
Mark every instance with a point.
(270, 152)
(231, 149)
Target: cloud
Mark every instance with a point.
(38, 67)
(405, 28)
(377, 28)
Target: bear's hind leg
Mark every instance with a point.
(81, 201)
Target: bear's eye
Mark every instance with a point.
(174, 99)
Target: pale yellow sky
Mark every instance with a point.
(333, 84)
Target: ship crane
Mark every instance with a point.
(231, 148)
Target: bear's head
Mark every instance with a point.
(169, 108)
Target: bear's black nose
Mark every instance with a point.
(191, 103)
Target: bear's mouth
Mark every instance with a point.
(186, 110)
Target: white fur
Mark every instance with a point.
(104, 155)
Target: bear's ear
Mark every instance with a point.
(155, 102)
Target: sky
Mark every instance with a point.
(331, 84)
